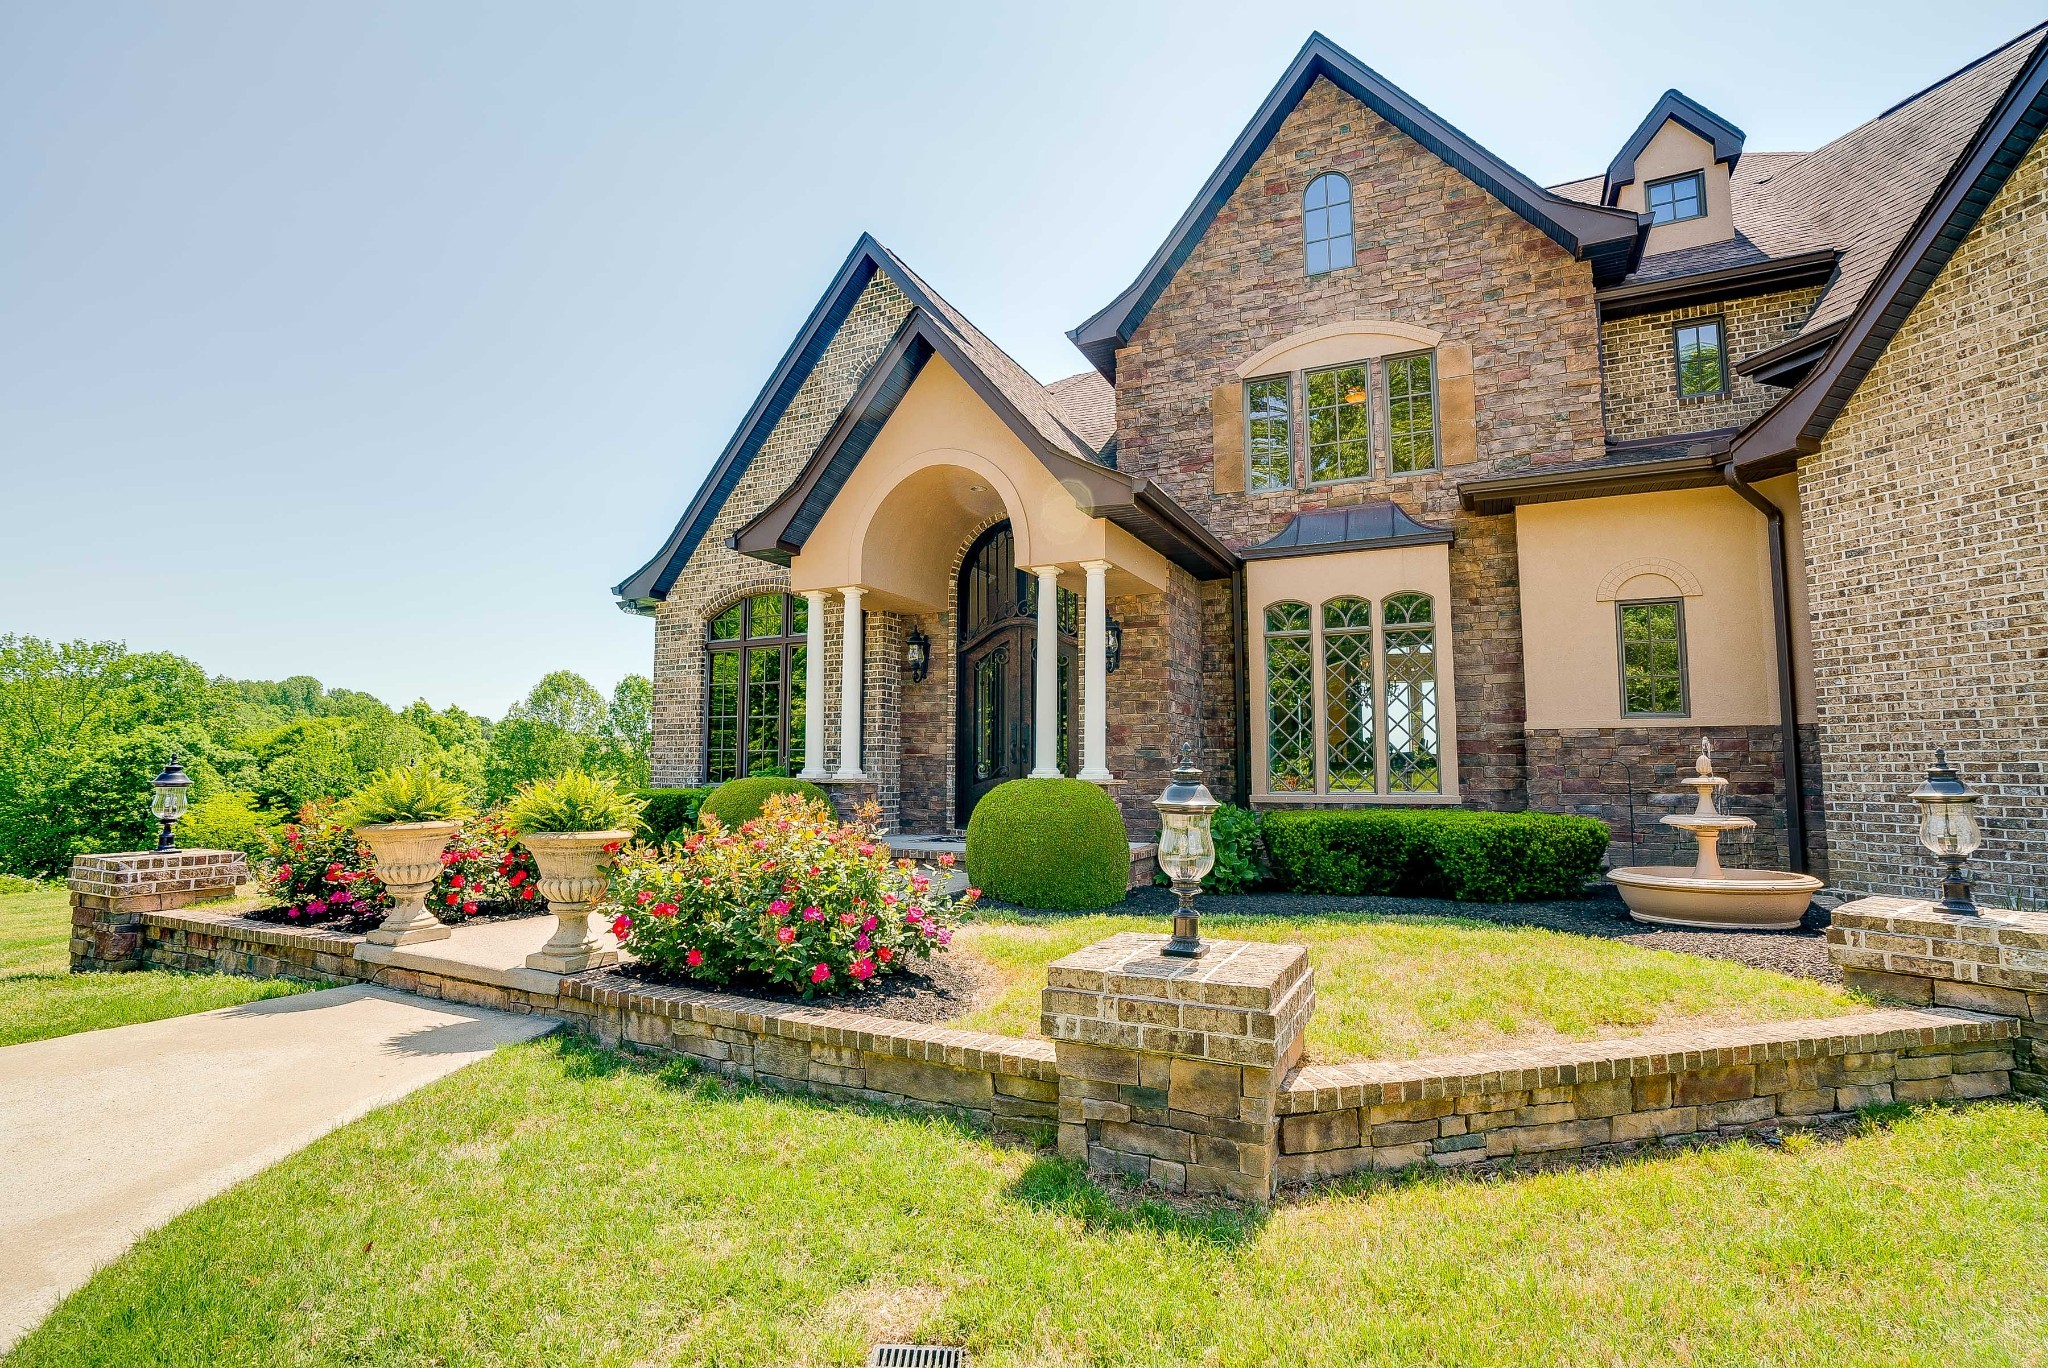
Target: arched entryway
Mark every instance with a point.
(996, 608)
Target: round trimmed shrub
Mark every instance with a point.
(1056, 844)
(740, 800)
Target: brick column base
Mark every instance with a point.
(1169, 1069)
(109, 894)
(1908, 951)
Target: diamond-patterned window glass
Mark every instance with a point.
(1653, 658)
(1269, 433)
(1347, 695)
(1339, 423)
(1410, 647)
(1411, 412)
(754, 690)
(1290, 700)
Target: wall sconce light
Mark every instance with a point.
(917, 654)
(1112, 645)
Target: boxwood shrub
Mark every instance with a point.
(1056, 844)
(738, 801)
(1434, 853)
(671, 813)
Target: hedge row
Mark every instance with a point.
(672, 813)
(1434, 853)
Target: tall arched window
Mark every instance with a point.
(1326, 223)
(1347, 688)
(1290, 700)
(754, 688)
(1412, 765)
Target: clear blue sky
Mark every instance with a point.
(376, 342)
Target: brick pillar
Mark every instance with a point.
(1169, 1068)
(109, 894)
(1908, 951)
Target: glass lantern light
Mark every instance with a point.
(917, 654)
(171, 794)
(1948, 828)
(1187, 849)
(1112, 646)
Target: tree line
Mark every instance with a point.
(85, 726)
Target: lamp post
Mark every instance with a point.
(917, 654)
(1186, 849)
(1948, 828)
(167, 802)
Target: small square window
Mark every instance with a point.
(1652, 646)
(1678, 199)
(1702, 358)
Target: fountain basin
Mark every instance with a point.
(1740, 899)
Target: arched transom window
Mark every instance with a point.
(754, 688)
(1366, 722)
(1326, 223)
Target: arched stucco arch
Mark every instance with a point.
(1333, 343)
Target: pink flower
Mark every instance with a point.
(847, 919)
(973, 893)
(622, 926)
(912, 917)
(315, 908)
(819, 973)
(866, 849)
(889, 898)
(785, 934)
(662, 909)
(813, 914)
(870, 924)
(643, 897)
(341, 899)
(860, 942)
(945, 859)
(779, 908)
(863, 969)
(945, 936)
(292, 912)
(694, 958)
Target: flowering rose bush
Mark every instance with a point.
(485, 870)
(318, 871)
(792, 899)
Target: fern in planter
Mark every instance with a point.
(575, 802)
(412, 793)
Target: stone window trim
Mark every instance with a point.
(1315, 626)
(1621, 611)
(1694, 325)
(1691, 187)
(1380, 417)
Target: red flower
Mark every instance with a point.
(663, 909)
(694, 958)
(862, 969)
(819, 973)
(622, 927)
(454, 898)
(527, 893)
(469, 909)
(785, 934)
(455, 882)
(885, 954)
(643, 897)
(517, 879)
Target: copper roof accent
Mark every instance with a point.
(1360, 527)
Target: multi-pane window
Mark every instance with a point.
(1652, 647)
(1702, 359)
(1411, 412)
(1339, 423)
(1269, 432)
(1290, 700)
(754, 694)
(1373, 708)
(1677, 199)
(1326, 223)
(1349, 760)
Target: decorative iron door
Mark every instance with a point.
(997, 678)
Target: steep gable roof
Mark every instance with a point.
(638, 592)
(1609, 238)
(1690, 113)
(2008, 126)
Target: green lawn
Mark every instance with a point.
(40, 997)
(1393, 987)
(557, 1204)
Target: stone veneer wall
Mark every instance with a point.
(716, 575)
(1433, 249)
(1595, 771)
(1926, 529)
(110, 894)
(1641, 364)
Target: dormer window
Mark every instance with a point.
(1326, 223)
(1677, 199)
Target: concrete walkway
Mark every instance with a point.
(106, 1135)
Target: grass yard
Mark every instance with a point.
(557, 1204)
(1392, 987)
(40, 997)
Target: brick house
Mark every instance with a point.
(1400, 479)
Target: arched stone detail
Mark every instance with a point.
(1687, 583)
(1351, 340)
(765, 584)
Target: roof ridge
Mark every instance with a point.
(1962, 70)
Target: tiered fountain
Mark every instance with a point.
(1708, 895)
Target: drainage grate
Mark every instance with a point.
(916, 1356)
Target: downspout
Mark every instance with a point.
(1781, 617)
(1240, 683)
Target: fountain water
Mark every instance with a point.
(1708, 895)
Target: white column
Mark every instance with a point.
(1095, 677)
(814, 686)
(849, 687)
(1046, 725)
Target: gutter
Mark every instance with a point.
(1781, 620)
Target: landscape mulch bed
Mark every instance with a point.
(942, 987)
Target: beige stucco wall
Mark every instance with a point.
(943, 466)
(1368, 575)
(1707, 546)
(1674, 151)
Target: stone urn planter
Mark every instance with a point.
(408, 860)
(572, 880)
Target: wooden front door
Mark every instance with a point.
(998, 671)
